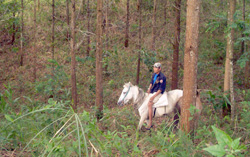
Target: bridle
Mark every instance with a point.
(126, 93)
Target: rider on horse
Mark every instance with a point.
(156, 89)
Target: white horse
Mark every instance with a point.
(131, 92)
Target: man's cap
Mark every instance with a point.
(157, 65)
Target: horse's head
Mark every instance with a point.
(126, 94)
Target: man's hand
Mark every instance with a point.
(148, 91)
(151, 99)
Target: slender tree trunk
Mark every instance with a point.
(83, 6)
(53, 32)
(88, 28)
(107, 26)
(243, 35)
(127, 26)
(67, 18)
(190, 62)
(246, 81)
(13, 26)
(38, 5)
(73, 58)
(174, 84)
(165, 13)
(154, 26)
(228, 82)
(22, 30)
(99, 87)
(34, 46)
(139, 44)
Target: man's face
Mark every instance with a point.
(157, 70)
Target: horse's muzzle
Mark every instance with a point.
(120, 103)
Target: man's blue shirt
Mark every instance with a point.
(160, 83)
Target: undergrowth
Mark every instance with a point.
(54, 129)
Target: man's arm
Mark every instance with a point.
(149, 88)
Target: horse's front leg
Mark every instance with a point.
(143, 118)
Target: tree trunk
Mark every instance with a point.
(34, 46)
(38, 5)
(243, 35)
(127, 26)
(228, 82)
(13, 26)
(99, 87)
(83, 6)
(246, 81)
(67, 18)
(165, 13)
(73, 58)
(53, 32)
(22, 29)
(174, 84)
(88, 28)
(107, 26)
(139, 44)
(190, 62)
(154, 26)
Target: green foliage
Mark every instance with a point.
(54, 83)
(243, 59)
(226, 145)
(149, 58)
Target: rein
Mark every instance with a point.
(126, 93)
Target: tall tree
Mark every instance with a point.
(67, 18)
(177, 7)
(154, 26)
(243, 18)
(34, 45)
(107, 25)
(22, 30)
(53, 31)
(190, 62)
(99, 87)
(228, 78)
(127, 26)
(38, 5)
(14, 23)
(88, 28)
(73, 58)
(139, 42)
(246, 81)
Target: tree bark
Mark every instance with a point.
(165, 13)
(174, 84)
(73, 61)
(38, 5)
(243, 35)
(53, 32)
(139, 43)
(34, 46)
(107, 26)
(67, 18)
(99, 87)
(88, 28)
(127, 26)
(246, 81)
(228, 82)
(22, 30)
(190, 62)
(154, 25)
(13, 25)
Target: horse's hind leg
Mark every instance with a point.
(177, 112)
